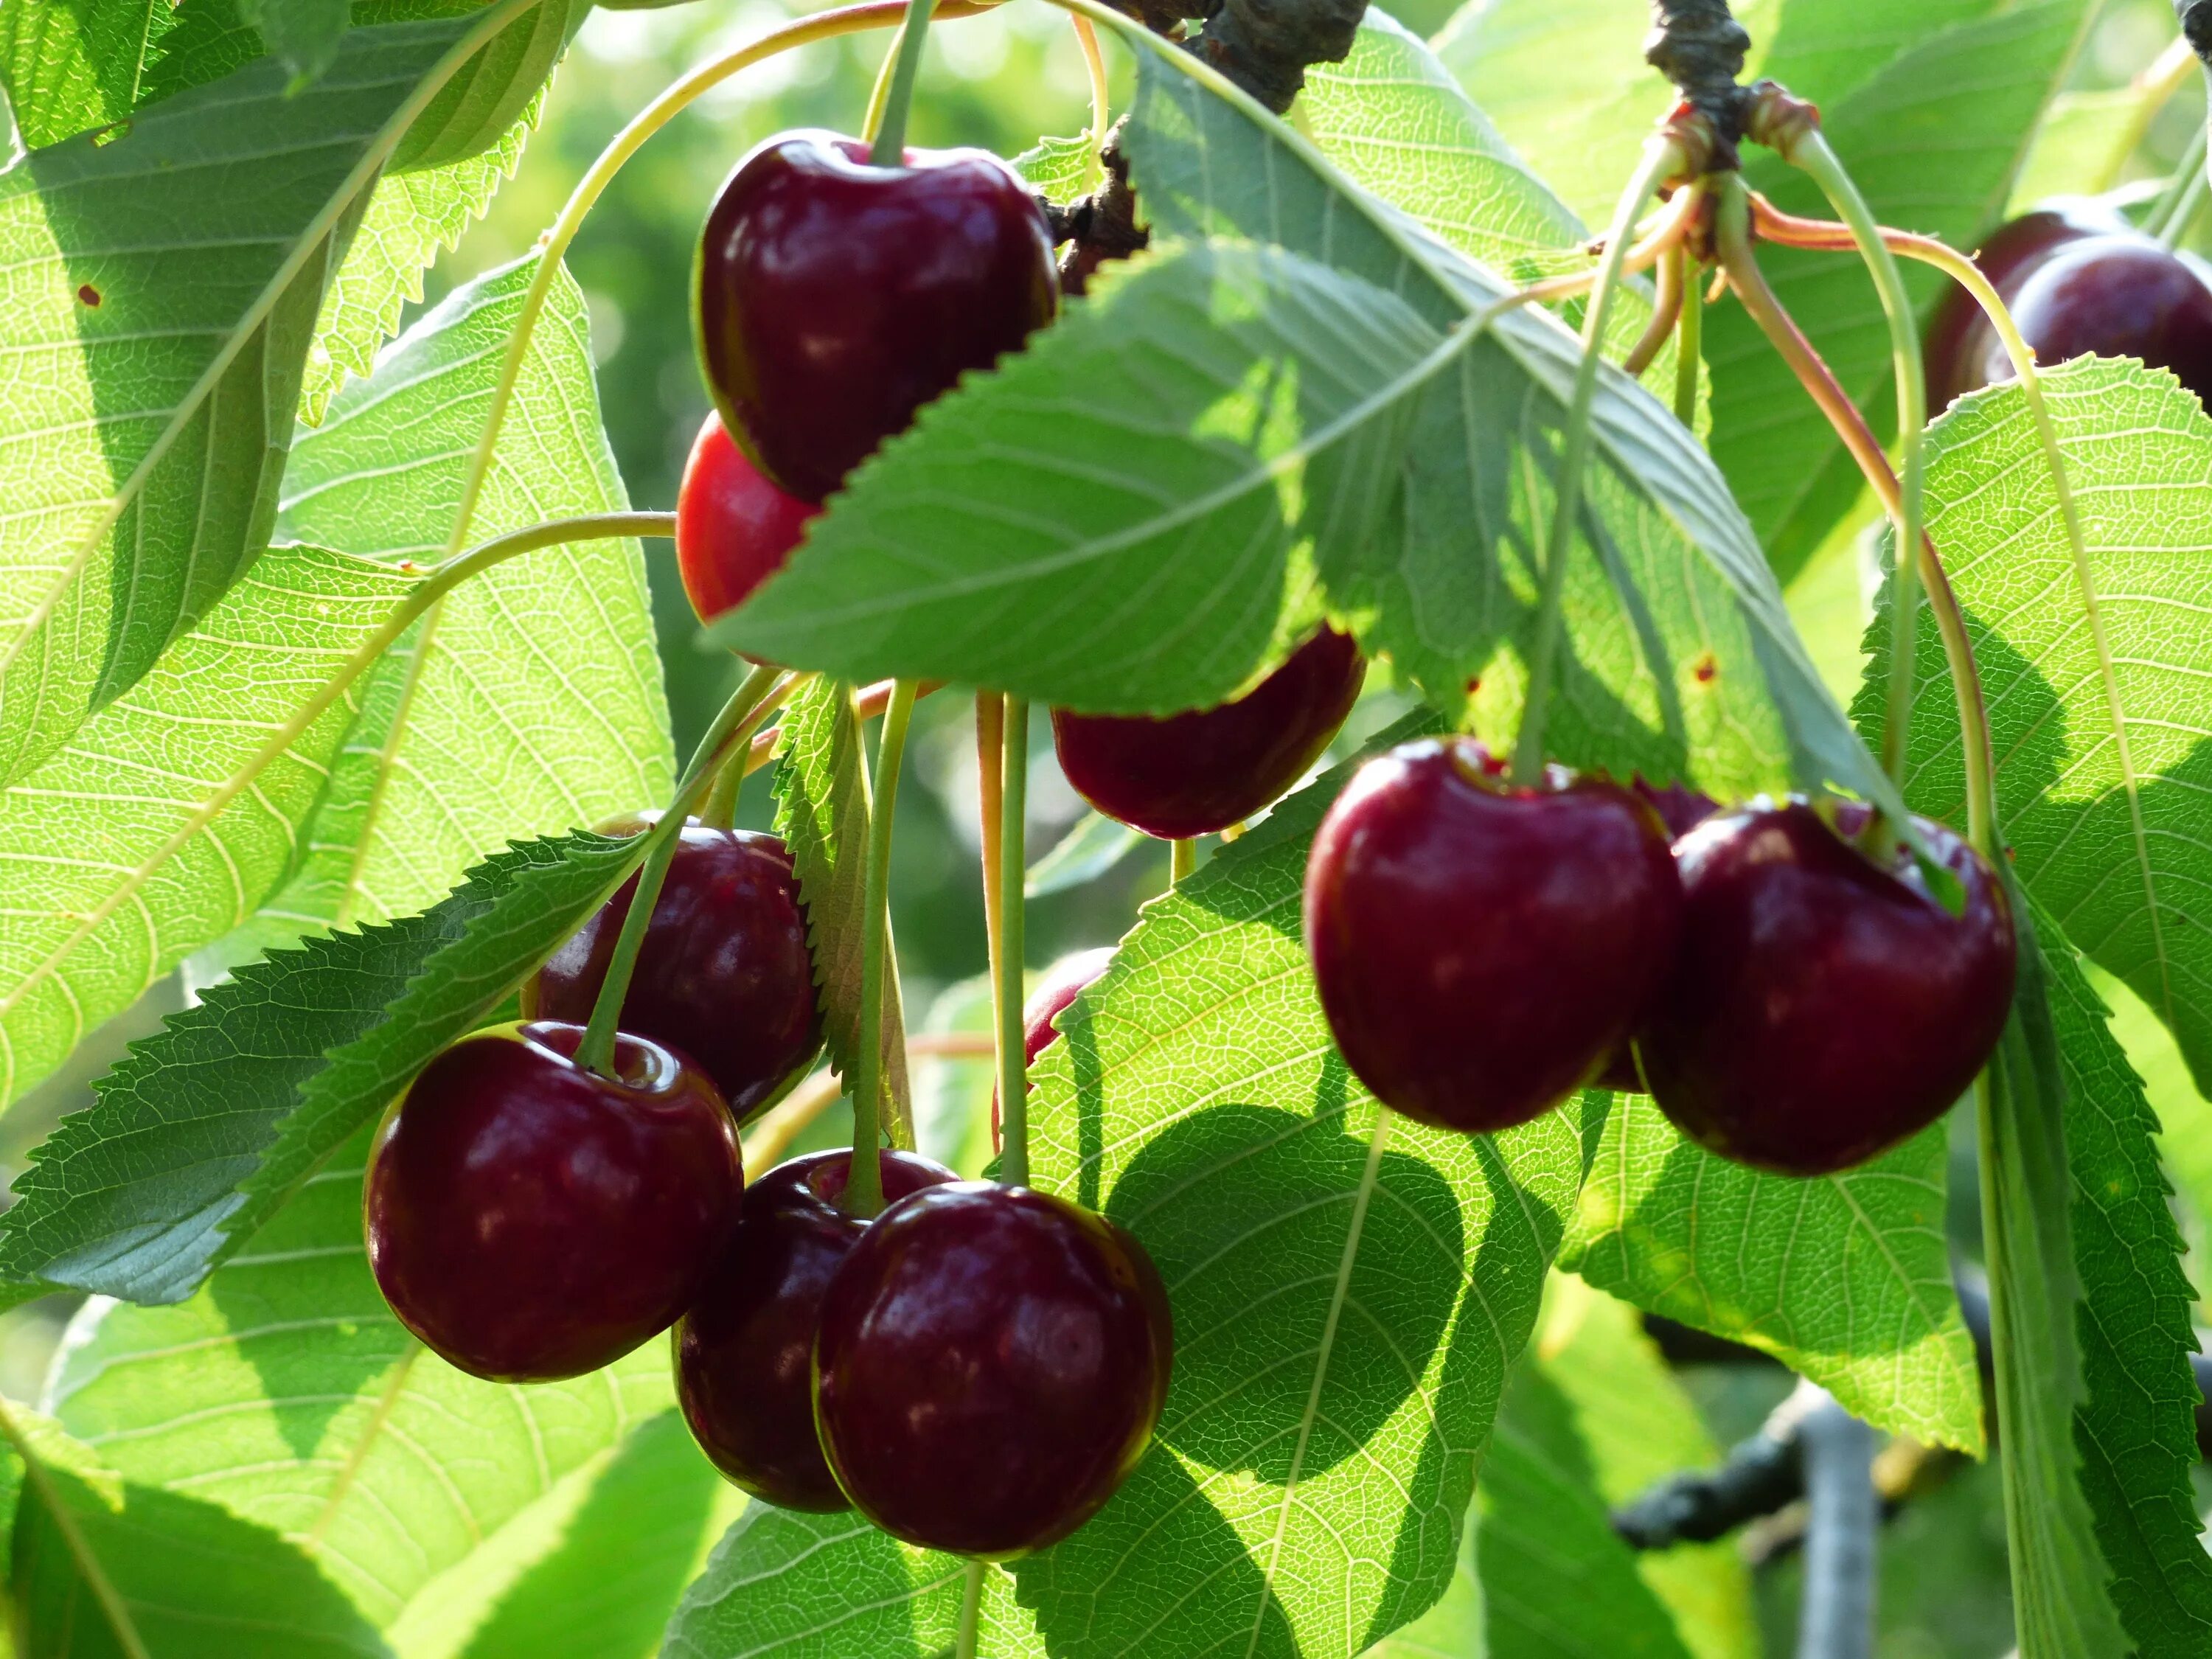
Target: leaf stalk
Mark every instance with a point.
(1008, 946)
(864, 1184)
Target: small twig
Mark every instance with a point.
(1758, 1477)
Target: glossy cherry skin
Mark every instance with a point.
(2077, 282)
(1041, 1013)
(1482, 949)
(1197, 772)
(990, 1365)
(724, 975)
(530, 1220)
(734, 529)
(1681, 809)
(744, 1352)
(834, 299)
(1822, 1009)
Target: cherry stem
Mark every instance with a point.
(889, 149)
(2177, 205)
(1661, 157)
(1094, 64)
(971, 1610)
(1809, 152)
(1007, 947)
(732, 730)
(864, 1185)
(990, 786)
(1666, 314)
(1689, 342)
(677, 96)
(720, 811)
(1183, 860)
(770, 1136)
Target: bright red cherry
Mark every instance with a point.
(1041, 1013)
(835, 299)
(1482, 948)
(724, 976)
(1823, 1008)
(2077, 280)
(734, 529)
(531, 1220)
(990, 1365)
(1196, 773)
(745, 1352)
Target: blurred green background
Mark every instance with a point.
(999, 80)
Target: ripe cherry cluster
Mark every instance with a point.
(977, 1366)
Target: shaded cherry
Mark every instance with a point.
(744, 1352)
(734, 529)
(991, 1363)
(1823, 1008)
(2077, 280)
(1196, 773)
(724, 975)
(1681, 809)
(531, 1220)
(1041, 1013)
(1482, 948)
(834, 299)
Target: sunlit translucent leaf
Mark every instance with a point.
(70, 68)
(529, 702)
(176, 809)
(822, 807)
(1847, 1278)
(162, 284)
(286, 1395)
(1063, 168)
(204, 1131)
(489, 93)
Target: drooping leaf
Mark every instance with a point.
(286, 1396)
(204, 1131)
(487, 94)
(529, 702)
(179, 807)
(1095, 845)
(2096, 675)
(1349, 1288)
(822, 806)
(163, 282)
(1063, 168)
(2135, 1430)
(1845, 1278)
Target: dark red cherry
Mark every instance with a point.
(835, 299)
(1196, 773)
(1482, 948)
(990, 1365)
(1681, 809)
(531, 1220)
(1041, 1013)
(734, 529)
(724, 975)
(745, 1352)
(1821, 1008)
(2077, 281)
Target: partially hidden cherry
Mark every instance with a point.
(744, 1352)
(531, 1220)
(734, 528)
(834, 299)
(1196, 773)
(1681, 809)
(1482, 948)
(1041, 1013)
(2077, 280)
(724, 975)
(990, 1365)
(1823, 1008)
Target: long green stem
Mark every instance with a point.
(1689, 342)
(864, 1187)
(1661, 157)
(1183, 860)
(673, 101)
(732, 731)
(1007, 959)
(1810, 153)
(2177, 203)
(971, 1610)
(889, 149)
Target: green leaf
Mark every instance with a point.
(164, 281)
(1063, 168)
(1349, 1288)
(822, 806)
(2136, 1431)
(2081, 146)
(1845, 1278)
(204, 1131)
(1095, 845)
(286, 1395)
(2061, 1606)
(529, 702)
(489, 93)
(179, 807)
(2095, 676)
(70, 68)
(303, 34)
